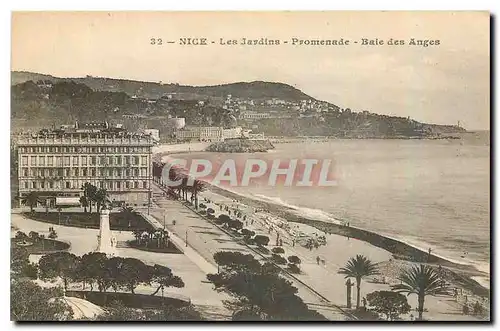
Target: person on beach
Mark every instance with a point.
(317, 259)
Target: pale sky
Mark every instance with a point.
(437, 84)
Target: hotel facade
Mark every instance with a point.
(57, 163)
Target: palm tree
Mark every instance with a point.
(198, 186)
(357, 268)
(31, 199)
(421, 280)
(89, 191)
(101, 198)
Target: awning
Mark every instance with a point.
(68, 201)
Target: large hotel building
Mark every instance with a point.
(57, 163)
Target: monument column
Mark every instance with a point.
(106, 242)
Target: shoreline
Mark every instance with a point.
(462, 273)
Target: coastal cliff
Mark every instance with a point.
(240, 146)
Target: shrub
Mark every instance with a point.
(224, 218)
(21, 235)
(294, 259)
(210, 211)
(248, 240)
(235, 224)
(278, 259)
(202, 212)
(293, 268)
(210, 216)
(278, 250)
(261, 240)
(247, 232)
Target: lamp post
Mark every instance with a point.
(186, 238)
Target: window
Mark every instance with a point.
(75, 172)
(42, 185)
(102, 160)
(118, 172)
(127, 172)
(93, 172)
(40, 172)
(144, 184)
(143, 172)
(26, 185)
(136, 184)
(144, 160)
(118, 160)
(110, 160)
(58, 161)
(68, 185)
(93, 160)
(41, 161)
(84, 160)
(126, 159)
(34, 184)
(127, 184)
(136, 172)
(84, 172)
(118, 185)
(50, 161)
(33, 160)
(136, 160)
(110, 172)
(75, 160)
(24, 160)
(25, 172)
(60, 172)
(66, 172)
(94, 149)
(51, 184)
(66, 160)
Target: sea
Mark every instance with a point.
(428, 193)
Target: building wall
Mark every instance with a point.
(59, 166)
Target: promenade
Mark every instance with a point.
(207, 239)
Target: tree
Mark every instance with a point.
(260, 291)
(357, 268)
(261, 240)
(30, 302)
(101, 198)
(294, 259)
(163, 276)
(60, 264)
(421, 280)
(20, 265)
(236, 261)
(89, 191)
(391, 304)
(278, 259)
(31, 199)
(135, 272)
(91, 269)
(247, 232)
(84, 202)
(278, 250)
(35, 236)
(197, 187)
(21, 235)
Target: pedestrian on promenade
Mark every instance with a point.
(317, 259)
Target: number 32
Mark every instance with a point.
(156, 41)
